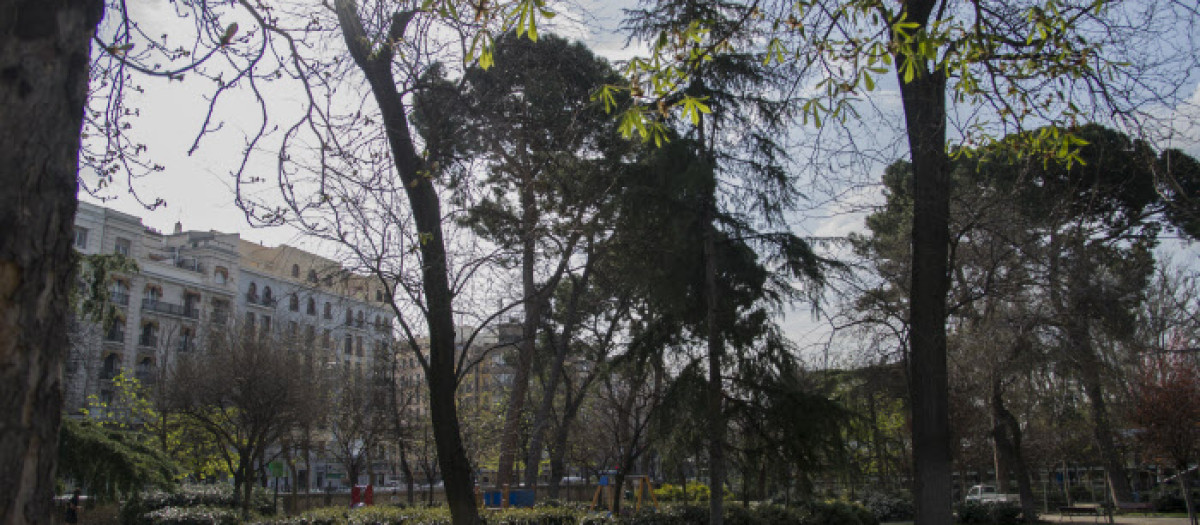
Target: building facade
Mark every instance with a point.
(189, 283)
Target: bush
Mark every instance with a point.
(134, 510)
(990, 513)
(894, 506)
(192, 516)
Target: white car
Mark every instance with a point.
(988, 494)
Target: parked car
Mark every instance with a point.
(988, 494)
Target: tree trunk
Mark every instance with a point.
(716, 350)
(1006, 435)
(43, 88)
(924, 100)
(533, 313)
(426, 209)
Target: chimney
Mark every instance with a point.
(178, 227)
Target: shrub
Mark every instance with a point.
(889, 506)
(134, 509)
(200, 515)
(835, 513)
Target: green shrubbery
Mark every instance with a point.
(206, 504)
(889, 506)
(696, 493)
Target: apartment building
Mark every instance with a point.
(190, 282)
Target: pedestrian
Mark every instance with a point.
(73, 507)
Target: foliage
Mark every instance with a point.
(696, 492)
(92, 300)
(888, 506)
(817, 513)
(110, 462)
(206, 498)
(190, 516)
(1167, 407)
(1004, 513)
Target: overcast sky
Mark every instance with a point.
(198, 189)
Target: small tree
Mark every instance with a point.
(1167, 408)
(247, 391)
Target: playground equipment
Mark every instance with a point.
(641, 486)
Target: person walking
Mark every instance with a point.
(73, 507)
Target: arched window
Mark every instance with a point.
(328, 311)
(296, 270)
(252, 293)
(312, 276)
(149, 337)
(312, 306)
(221, 275)
(144, 367)
(294, 303)
(267, 295)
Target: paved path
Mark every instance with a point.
(1117, 520)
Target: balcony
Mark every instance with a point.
(268, 302)
(184, 345)
(180, 310)
(189, 264)
(120, 298)
(148, 341)
(115, 336)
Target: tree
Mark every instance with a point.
(44, 55)
(247, 391)
(1167, 407)
(1032, 61)
(545, 147)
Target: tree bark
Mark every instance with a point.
(43, 88)
(422, 197)
(716, 350)
(924, 101)
(1006, 436)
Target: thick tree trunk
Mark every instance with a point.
(422, 198)
(43, 88)
(924, 100)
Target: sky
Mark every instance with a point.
(198, 189)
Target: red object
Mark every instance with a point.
(362, 495)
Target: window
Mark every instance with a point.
(185, 340)
(326, 340)
(349, 346)
(267, 299)
(293, 329)
(310, 333)
(119, 292)
(328, 311)
(266, 324)
(111, 364)
(220, 311)
(116, 331)
(358, 348)
(312, 276)
(359, 321)
(144, 367)
(296, 270)
(250, 322)
(152, 295)
(221, 275)
(149, 337)
(293, 303)
(349, 317)
(252, 293)
(123, 247)
(81, 238)
(312, 306)
(379, 296)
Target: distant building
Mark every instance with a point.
(489, 376)
(190, 282)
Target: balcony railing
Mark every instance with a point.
(120, 298)
(190, 264)
(171, 309)
(261, 301)
(184, 345)
(149, 341)
(114, 336)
